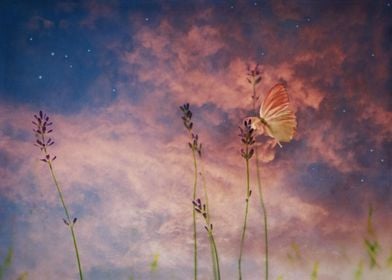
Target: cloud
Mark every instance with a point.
(126, 170)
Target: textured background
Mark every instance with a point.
(112, 77)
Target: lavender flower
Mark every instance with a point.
(42, 130)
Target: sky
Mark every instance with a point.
(112, 74)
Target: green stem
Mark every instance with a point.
(262, 204)
(205, 193)
(194, 215)
(264, 213)
(213, 257)
(70, 223)
(216, 258)
(77, 252)
(246, 215)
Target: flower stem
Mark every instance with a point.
(246, 215)
(262, 204)
(68, 217)
(194, 215)
(214, 257)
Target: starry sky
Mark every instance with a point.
(112, 75)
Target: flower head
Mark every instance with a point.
(187, 120)
(42, 129)
(187, 117)
(247, 138)
(254, 75)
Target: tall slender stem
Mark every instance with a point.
(264, 213)
(213, 252)
(68, 217)
(246, 214)
(216, 258)
(262, 204)
(42, 123)
(194, 214)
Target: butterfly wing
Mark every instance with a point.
(279, 121)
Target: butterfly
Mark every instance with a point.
(276, 119)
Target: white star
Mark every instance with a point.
(146, 19)
(362, 180)
(88, 50)
(31, 38)
(66, 56)
(40, 77)
(371, 150)
(114, 90)
(52, 53)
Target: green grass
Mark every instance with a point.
(314, 275)
(6, 263)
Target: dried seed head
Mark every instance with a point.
(247, 138)
(42, 129)
(187, 116)
(254, 75)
